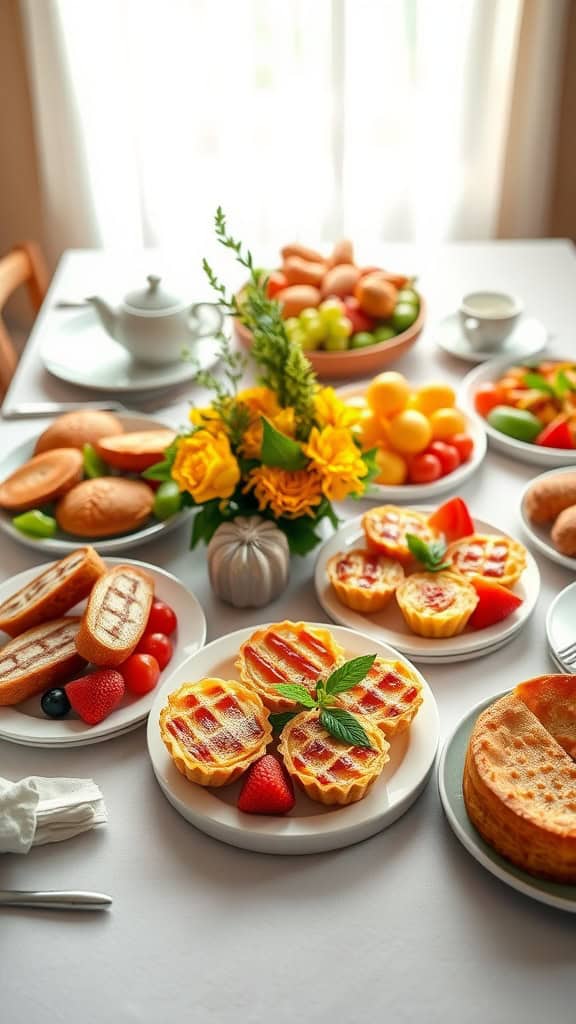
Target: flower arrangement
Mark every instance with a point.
(284, 449)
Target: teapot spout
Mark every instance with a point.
(107, 316)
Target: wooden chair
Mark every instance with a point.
(23, 265)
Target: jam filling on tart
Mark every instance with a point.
(278, 658)
(363, 571)
(214, 726)
(434, 597)
(475, 557)
(392, 526)
(384, 690)
(319, 756)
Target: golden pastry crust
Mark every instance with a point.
(546, 498)
(38, 659)
(364, 580)
(519, 789)
(389, 696)
(552, 698)
(488, 556)
(53, 592)
(436, 604)
(77, 428)
(116, 615)
(105, 507)
(563, 534)
(287, 652)
(214, 730)
(386, 526)
(329, 771)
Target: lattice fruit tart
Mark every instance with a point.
(364, 580)
(436, 604)
(328, 770)
(386, 527)
(287, 652)
(214, 729)
(389, 696)
(484, 555)
(519, 783)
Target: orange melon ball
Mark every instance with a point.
(433, 396)
(369, 430)
(393, 468)
(388, 393)
(446, 422)
(409, 432)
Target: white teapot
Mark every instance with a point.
(154, 326)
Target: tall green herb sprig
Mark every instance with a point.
(284, 367)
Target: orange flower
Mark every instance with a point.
(331, 411)
(205, 466)
(285, 493)
(260, 401)
(336, 458)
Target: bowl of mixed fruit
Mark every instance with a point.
(528, 409)
(350, 319)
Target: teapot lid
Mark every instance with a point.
(153, 297)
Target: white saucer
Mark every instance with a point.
(561, 626)
(81, 352)
(26, 724)
(389, 625)
(310, 827)
(450, 770)
(528, 337)
(540, 534)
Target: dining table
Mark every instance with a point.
(404, 926)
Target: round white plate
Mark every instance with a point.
(63, 543)
(410, 493)
(529, 336)
(533, 453)
(540, 534)
(561, 627)
(450, 770)
(310, 827)
(25, 723)
(81, 352)
(389, 625)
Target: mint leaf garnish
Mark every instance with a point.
(430, 555)
(348, 675)
(280, 720)
(344, 726)
(297, 693)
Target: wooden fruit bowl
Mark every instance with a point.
(354, 362)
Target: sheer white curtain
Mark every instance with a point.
(303, 118)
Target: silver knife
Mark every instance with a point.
(29, 410)
(54, 900)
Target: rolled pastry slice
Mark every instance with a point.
(37, 659)
(115, 616)
(53, 592)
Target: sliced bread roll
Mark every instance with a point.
(115, 616)
(37, 659)
(53, 592)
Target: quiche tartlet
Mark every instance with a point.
(213, 730)
(328, 770)
(364, 580)
(389, 696)
(287, 652)
(386, 527)
(489, 556)
(436, 604)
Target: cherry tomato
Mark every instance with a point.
(424, 469)
(361, 322)
(464, 444)
(161, 619)
(140, 673)
(486, 398)
(158, 645)
(447, 453)
(276, 283)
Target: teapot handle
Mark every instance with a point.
(203, 326)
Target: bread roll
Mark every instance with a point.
(75, 429)
(53, 592)
(563, 533)
(42, 479)
(547, 497)
(37, 659)
(105, 507)
(115, 616)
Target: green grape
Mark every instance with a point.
(384, 333)
(362, 339)
(312, 324)
(331, 311)
(404, 316)
(408, 295)
(335, 344)
(35, 523)
(167, 500)
(291, 324)
(341, 328)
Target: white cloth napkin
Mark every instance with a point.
(36, 811)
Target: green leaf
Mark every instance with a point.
(538, 383)
(301, 534)
(325, 510)
(430, 555)
(349, 674)
(159, 471)
(280, 720)
(279, 450)
(296, 692)
(206, 522)
(563, 384)
(344, 726)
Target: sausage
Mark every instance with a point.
(563, 533)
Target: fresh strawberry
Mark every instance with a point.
(93, 697)
(453, 520)
(495, 603)
(266, 788)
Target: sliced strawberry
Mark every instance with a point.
(452, 519)
(266, 788)
(495, 603)
(556, 435)
(93, 697)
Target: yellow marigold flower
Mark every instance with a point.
(336, 458)
(251, 445)
(261, 402)
(331, 411)
(207, 418)
(205, 466)
(285, 493)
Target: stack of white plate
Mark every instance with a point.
(561, 629)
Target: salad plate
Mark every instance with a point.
(310, 827)
(389, 626)
(63, 543)
(560, 632)
(26, 724)
(539, 535)
(450, 772)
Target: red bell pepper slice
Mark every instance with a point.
(495, 603)
(556, 435)
(452, 519)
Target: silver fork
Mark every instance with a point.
(568, 654)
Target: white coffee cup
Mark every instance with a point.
(488, 318)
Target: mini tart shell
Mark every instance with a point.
(392, 705)
(187, 764)
(409, 521)
(513, 567)
(426, 620)
(337, 792)
(367, 599)
(265, 689)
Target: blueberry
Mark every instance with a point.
(55, 703)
